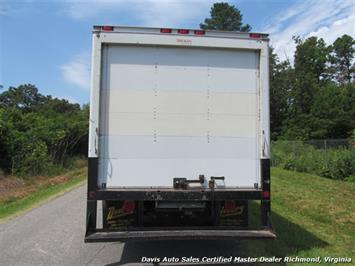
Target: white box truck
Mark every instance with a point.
(179, 138)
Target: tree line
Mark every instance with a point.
(315, 97)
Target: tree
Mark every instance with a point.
(310, 67)
(311, 56)
(25, 97)
(309, 76)
(332, 113)
(343, 51)
(225, 17)
(321, 101)
(60, 106)
(281, 84)
(38, 131)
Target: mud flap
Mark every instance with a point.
(234, 213)
(119, 214)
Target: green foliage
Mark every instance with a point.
(335, 163)
(225, 17)
(310, 58)
(33, 159)
(25, 97)
(309, 67)
(350, 178)
(341, 59)
(314, 98)
(37, 132)
(282, 82)
(332, 113)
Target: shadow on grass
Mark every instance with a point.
(291, 239)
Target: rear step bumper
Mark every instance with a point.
(101, 236)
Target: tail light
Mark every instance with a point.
(266, 194)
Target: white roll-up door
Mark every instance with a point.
(178, 112)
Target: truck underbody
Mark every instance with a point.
(131, 214)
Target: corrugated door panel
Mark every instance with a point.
(127, 172)
(244, 104)
(133, 147)
(184, 57)
(170, 124)
(130, 77)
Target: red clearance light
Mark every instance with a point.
(266, 194)
(255, 35)
(128, 206)
(183, 31)
(199, 32)
(107, 28)
(165, 30)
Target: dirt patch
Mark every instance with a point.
(8, 183)
(13, 187)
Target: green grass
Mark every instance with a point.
(312, 216)
(13, 206)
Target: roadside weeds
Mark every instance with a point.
(18, 196)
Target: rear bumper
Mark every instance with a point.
(101, 236)
(187, 234)
(175, 195)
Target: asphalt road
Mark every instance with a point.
(53, 234)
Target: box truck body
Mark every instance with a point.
(179, 133)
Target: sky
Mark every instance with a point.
(48, 43)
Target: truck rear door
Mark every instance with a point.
(170, 112)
